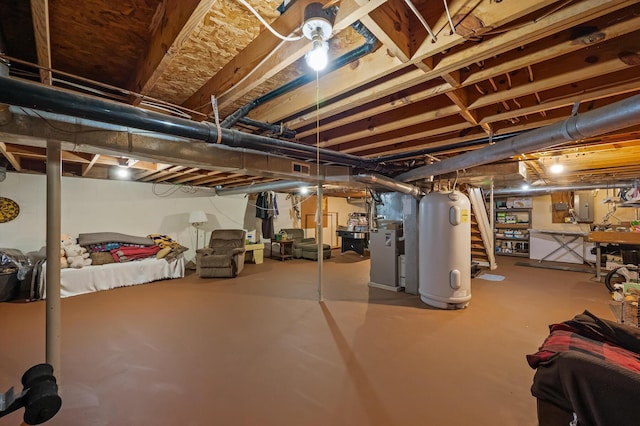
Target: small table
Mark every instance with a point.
(606, 237)
(254, 253)
(284, 254)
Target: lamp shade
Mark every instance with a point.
(197, 217)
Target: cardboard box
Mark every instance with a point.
(519, 203)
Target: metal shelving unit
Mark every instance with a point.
(512, 231)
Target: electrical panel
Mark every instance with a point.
(583, 206)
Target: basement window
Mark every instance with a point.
(301, 168)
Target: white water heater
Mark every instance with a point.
(444, 248)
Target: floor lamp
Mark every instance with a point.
(196, 219)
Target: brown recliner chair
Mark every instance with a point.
(225, 255)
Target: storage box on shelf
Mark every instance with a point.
(512, 231)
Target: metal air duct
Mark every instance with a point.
(615, 116)
(547, 189)
(260, 187)
(376, 179)
(31, 95)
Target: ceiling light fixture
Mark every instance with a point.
(317, 27)
(123, 170)
(556, 167)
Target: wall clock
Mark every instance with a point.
(9, 210)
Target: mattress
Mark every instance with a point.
(113, 275)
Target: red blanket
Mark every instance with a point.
(127, 253)
(589, 366)
(565, 338)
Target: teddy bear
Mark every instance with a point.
(63, 259)
(76, 256)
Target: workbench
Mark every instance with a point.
(606, 237)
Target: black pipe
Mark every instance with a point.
(46, 98)
(370, 44)
(273, 128)
(465, 144)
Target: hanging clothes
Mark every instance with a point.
(270, 209)
(262, 205)
(267, 228)
(272, 203)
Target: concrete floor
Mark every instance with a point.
(261, 350)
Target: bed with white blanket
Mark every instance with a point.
(118, 273)
(113, 275)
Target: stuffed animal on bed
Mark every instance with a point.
(76, 255)
(63, 259)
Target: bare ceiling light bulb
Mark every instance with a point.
(317, 27)
(318, 57)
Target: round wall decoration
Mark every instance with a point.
(9, 210)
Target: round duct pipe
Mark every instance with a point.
(260, 187)
(36, 96)
(394, 185)
(615, 116)
(547, 189)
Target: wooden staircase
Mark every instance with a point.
(481, 233)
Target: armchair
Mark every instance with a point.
(306, 248)
(225, 255)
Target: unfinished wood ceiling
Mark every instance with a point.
(405, 92)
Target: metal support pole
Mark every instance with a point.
(53, 317)
(319, 218)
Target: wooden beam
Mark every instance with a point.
(249, 62)
(388, 88)
(397, 102)
(352, 10)
(380, 63)
(196, 176)
(159, 168)
(365, 70)
(628, 86)
(565, 18)
(549, 50)
(608, 28)
(390, 24)
(40, 18)
(177, 20)
(265, 57)
(549, 78)
(10, 157)
(449, 124)
(86, 169)
(399, 121)
(212, 180)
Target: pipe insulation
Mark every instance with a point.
(615, 116)
(36, 96)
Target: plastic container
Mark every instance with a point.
(9, 286)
